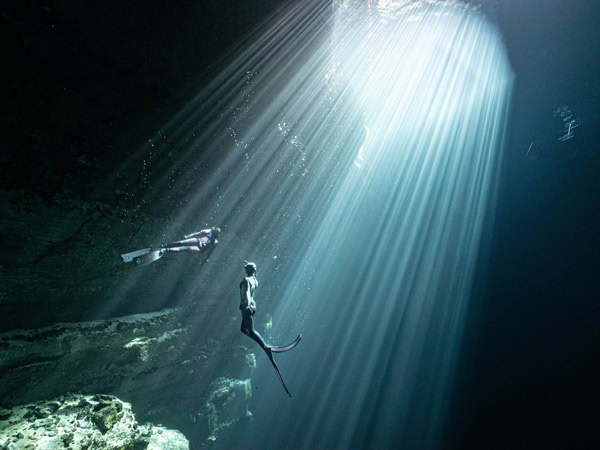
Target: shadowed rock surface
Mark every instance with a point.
(149, 360)
(84, 87)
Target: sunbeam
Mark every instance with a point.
(362, 144)
(381, 286)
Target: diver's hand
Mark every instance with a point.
(250, 306)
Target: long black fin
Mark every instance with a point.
(288, 347)
(270, 355)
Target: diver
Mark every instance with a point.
(248, 308)
(205, 242)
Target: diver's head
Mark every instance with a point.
(215, 231)
(250, 268)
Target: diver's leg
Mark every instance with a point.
(181, 249)
(248, 329)
(187, 245)
(192, 242)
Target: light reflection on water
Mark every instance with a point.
(410, 9)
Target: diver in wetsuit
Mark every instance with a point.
(205, 242)
(248, 308)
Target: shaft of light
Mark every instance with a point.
(361, 144)
(384, 283)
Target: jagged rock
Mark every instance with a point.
(106, 414)
(131, 357)
(81, 422)
(89, 353)
(226, 405)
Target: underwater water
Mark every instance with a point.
(420, 199)
(362, 173)
(383, 269)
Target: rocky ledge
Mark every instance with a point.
(157, 361)
(79, 422)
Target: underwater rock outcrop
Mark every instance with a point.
(61, 262)
(92, 356)
(154, 361)
(82, 422)
(228, 396)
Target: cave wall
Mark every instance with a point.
(84, 86)
(86, 82)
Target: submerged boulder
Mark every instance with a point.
(226, 406)
(77, 421)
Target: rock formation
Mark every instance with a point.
(80, 422)
(84, 88)
(150, 360)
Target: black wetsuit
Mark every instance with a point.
(248, 308)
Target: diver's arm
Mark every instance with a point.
(210, 250)
(201, 232)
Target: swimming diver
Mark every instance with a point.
(248, 308)
(206, 242)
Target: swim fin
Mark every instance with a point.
(149, 257)
(270, 355)
(288, 347)
(129, 257)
